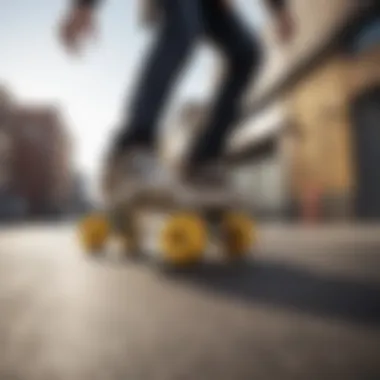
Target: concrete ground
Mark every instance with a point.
(305, 306)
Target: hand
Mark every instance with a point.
(76, 26)
(285, 27)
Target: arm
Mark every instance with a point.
(79, 23)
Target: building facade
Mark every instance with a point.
(36, 176)
(41, 164)
(5, 140)
(328, 84)
(12, 206)
(336, 106)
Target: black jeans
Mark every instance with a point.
(184, 24)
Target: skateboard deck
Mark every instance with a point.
(172, 224)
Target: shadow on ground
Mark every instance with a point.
(285, 286)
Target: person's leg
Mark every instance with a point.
(181, 26)
(243, 55)
(132, 149)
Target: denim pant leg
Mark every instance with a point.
(242, 53)
(180, 28)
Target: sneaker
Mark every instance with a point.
(207, 184)
(138, 174)
(125, 172)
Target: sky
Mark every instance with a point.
(92, 90)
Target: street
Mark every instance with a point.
(305, 306)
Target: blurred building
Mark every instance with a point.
(328, 88)
(336, 105)
(5, 140)
(35, 160)
(41, 165)
(262, 162)
(12, 206)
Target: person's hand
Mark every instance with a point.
(76, 26)
(285, 27)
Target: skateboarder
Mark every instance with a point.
(181, 24)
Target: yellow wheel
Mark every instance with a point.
(238, 233)
(94, 231)
(183, 239)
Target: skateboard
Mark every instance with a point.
(170, 226)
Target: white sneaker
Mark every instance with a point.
(208, 185)
(139, 175)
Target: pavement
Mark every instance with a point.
(306, 305)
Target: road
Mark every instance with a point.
(305, 306)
